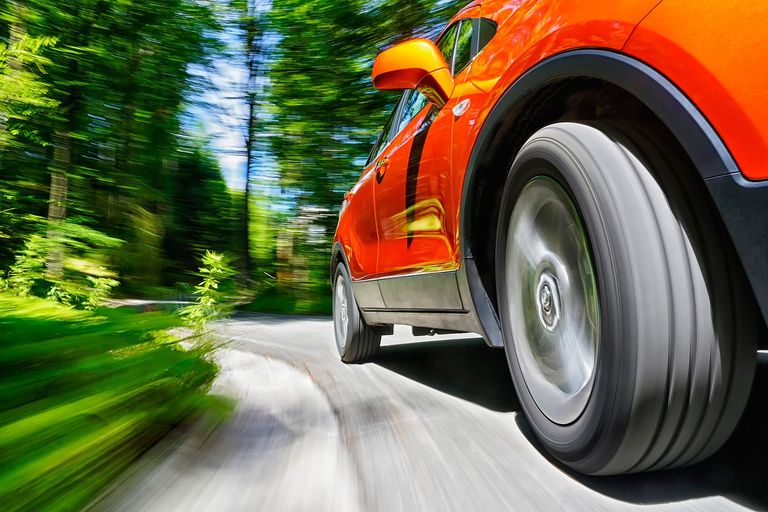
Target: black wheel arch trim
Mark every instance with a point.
(695, 134)
(337, 253)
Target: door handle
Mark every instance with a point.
(381, 169)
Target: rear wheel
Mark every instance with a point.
(629, 338)
(356, 341)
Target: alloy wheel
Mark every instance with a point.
(553, 300)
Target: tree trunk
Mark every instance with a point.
(57, 204)
(60, 169)
(253, 59)
(17, 32)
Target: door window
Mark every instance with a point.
(413, 102)
(447, 43)
(385, 136)
(464, 40)
(463, 52)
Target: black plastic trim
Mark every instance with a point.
(337, 250)
(368, 295)
(415, 310)
(443, 314)
(462, 322)
(425, 291)
(694, 132)
(743, 206)
(482, 305)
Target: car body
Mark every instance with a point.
(419, 232)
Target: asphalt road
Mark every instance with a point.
(432, 424)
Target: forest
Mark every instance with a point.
(110, 185)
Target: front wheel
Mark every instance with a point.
(356, 341)
(629, 338)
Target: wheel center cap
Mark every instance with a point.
(548, 302)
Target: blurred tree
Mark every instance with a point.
(24, 97)
(198, 203)
(92, 95)
(251, 14)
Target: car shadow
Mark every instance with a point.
(465, 368)
(468, 369)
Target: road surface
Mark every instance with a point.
(432, 425)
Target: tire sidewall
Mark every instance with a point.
(353, 313)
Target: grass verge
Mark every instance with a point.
(83, 394)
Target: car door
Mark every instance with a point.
(412, 194)
(357, 225)
(411, 198)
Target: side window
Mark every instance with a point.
(447, 43)
(486, 29)
(463, 54)
(458, 44)
(385, 136)
(412, 104)
(464, 40)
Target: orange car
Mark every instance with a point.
(584, 184)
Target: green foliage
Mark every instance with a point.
(28, 269)
(82, 395)
(85, 280)
(23, 94)
(94, 93)
(214, 293)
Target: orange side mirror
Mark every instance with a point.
(415, 64)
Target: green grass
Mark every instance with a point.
(83, 394)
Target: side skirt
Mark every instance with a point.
(435, 300)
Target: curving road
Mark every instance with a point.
(432, 425)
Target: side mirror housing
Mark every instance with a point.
(415, 64)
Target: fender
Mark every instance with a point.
(696, 135)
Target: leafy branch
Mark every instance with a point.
(214, 293)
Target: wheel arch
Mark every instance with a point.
(337, 256)
(571, 86)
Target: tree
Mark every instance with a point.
(251, 21)
(92, 98)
